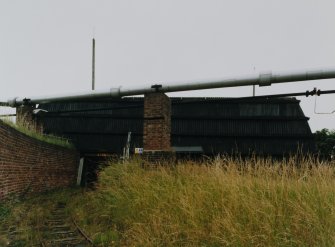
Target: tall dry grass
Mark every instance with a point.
(224, 202)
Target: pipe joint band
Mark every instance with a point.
(265, 79)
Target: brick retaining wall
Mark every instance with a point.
(28, 165)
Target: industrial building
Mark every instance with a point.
(199, 126)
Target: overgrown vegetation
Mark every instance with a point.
(29, 131)
(223, 202)
(325, 143)
(27, 219)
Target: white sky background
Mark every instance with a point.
(45, 46)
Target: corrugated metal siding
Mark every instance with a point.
(256, 110)
(90, 143)
(219, 125)
(240, 128)
(266, 146)
(92, 125)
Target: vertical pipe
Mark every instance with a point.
(93, 64)
(80, 171)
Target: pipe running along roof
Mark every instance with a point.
(262, 79)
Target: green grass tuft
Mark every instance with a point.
(4, 211)
(51, 139)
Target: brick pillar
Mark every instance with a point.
(26, 118)
(157, 127)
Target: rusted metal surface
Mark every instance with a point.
(60, 232)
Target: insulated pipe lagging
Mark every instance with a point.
(263, 79)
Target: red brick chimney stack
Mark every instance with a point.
(157, 126)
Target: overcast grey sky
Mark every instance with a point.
(45, 46)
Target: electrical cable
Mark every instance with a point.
(321, 113)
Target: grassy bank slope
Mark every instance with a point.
(30, 131)
(225, 203)
(221, 203)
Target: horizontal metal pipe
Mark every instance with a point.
(263, 79)
(140, 104)
(307, 93)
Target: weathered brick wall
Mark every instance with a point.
(157, 128)
(157, 122)
(28, 165)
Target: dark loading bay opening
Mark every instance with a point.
(91, 167)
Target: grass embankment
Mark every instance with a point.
(221, 203)
(29, 131)
(26, 219)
